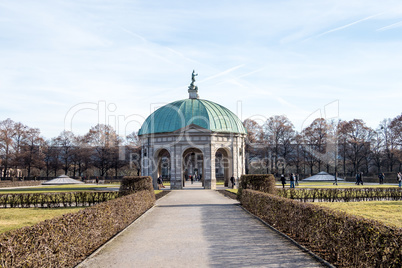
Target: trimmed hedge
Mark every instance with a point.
(342, 195)
(4, 184)
(259, 182)
(132, 184)
(341, 239)
(55, 200)
(67, 240)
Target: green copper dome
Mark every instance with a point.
(182, 113)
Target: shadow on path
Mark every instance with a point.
(238, 240)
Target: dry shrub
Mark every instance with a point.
(342, 195)
(4, 184)
(51, 200)
(259, 182)
(341, 239)
(132, 184)
(67, 240)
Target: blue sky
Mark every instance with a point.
(72, 64)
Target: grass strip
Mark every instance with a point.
(15, 218)
(388, 212)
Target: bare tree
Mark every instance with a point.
(103, 139)
(390, 143)
(7, 132)
(133, 151)
(52, 157)
(279, 133)
(31, 152)
(315, 138)
(377, 150)
(65, 142)
(19, 137)
(358, 137)
(254, 141)
(81, 155)
(395, 128)
(298, 155)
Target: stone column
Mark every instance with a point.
(210, 182)
(175, 184)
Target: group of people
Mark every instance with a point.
(293, 178)
(381, 177)
(359, 178)
(192, 178)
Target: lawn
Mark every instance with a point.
(59, 188)
(232, 190)
(388, 212)
(14, 218)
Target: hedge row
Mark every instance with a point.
(131, 184)
(4, 184)
(341, 239)
(53, 200)
(342, 195)
(67, 240)
(259, 182)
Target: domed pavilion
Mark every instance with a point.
(192, 137)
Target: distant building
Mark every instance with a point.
(192, 137)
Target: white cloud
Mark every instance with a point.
(55, 55)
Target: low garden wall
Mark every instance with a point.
(65, 241)
(341, 239)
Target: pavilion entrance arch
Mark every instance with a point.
(192, 165)
(163, 164)
(223, 166)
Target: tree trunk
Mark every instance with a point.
(29, 171)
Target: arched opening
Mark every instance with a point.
(193, 166)
(222, 166)
(164, 166)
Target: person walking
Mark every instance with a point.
(283, 180)
(160, 183)
(359, 178)
(192, 179)
(297, 179)
(232, 180)
(399, 176)
(381, 177)
(292, 180)
(336, 179)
